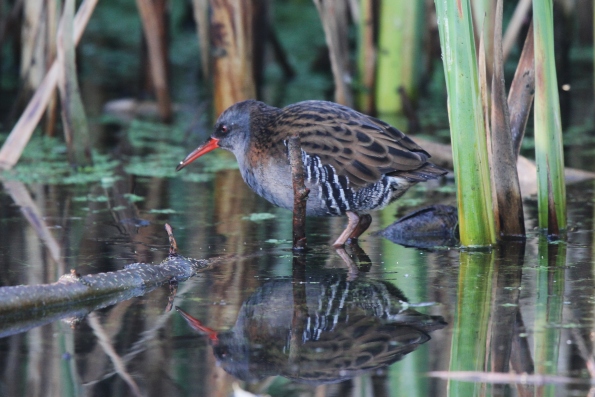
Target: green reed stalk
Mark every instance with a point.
(399, 55)
(366, 57)
(471, 320)
(551, 193)
(467, 125)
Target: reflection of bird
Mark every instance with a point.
(353, 163)
(337, 329)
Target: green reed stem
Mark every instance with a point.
(551, 194)
(467, 125)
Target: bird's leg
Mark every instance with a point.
(364, 223)
(351, 226)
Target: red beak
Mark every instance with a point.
(210, 144)
(197, 325)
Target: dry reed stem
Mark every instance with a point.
(21, 133)
(232, 49)
(201, 18)
(333, 14)
(509, 217)
(74, 119)
(152, 29)
(522, 91)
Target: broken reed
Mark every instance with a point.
(549, 155)
(467, 125)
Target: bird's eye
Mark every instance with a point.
(224, 129)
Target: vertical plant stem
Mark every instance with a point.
(53, 19)
(33, 43)
(201, 18)
(154, 35)
(549, 156)
(467, 127)
(522, 91)
(366, 57)
(399, 52)
(74, 119)
(231, 41)
(333, 14)
(483, 18)
(21, 133)
(509, 201)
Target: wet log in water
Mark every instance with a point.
(27, 306)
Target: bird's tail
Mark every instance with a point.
(426, 172)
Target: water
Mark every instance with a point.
(385, 320)
(370, 322)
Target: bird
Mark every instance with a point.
(353, 163)
(338, 328)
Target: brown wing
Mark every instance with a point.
(357, 146)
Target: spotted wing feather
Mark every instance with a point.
(357, 146)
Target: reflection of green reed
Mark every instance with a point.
(471, 320)
(467, 127)
(70, 382)
(548, 308)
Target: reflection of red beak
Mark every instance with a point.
(210, 144)
(197, 325)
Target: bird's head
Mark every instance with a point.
(232, 131)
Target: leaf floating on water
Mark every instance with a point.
(259, 216)
(277, 241)
(133, 198)
(162, 211)
(96, 199)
